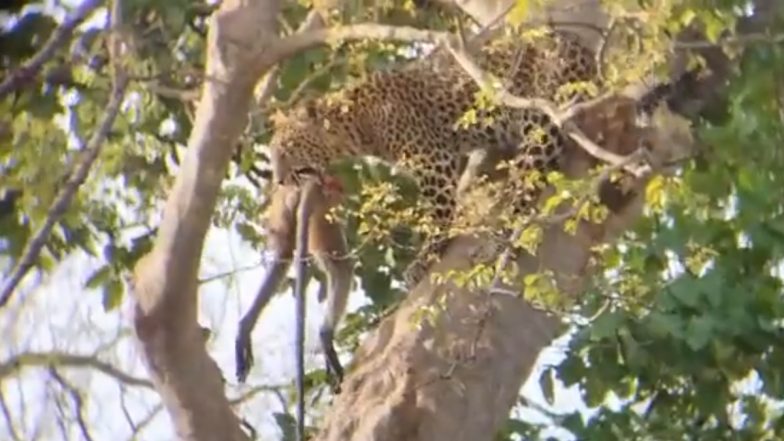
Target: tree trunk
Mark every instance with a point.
(165, 287)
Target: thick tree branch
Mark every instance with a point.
(81, 169)
(59, 37)
(61, 359)
(299, 42)
(240, 46)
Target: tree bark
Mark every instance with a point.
(165, 286)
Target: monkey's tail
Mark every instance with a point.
(304, 207)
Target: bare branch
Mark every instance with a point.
(230, 273)
(240, 50)
(61, 359)
(7, 417)
(80, 170)
(144, 422)
(560, 118)
(59, 37)
(301, 41)
(252, 392)
(78, 402)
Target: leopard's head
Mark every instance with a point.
(304, 142)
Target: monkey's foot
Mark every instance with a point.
(334, 368)
(334, 377)
(243, 356)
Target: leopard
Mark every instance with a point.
(410, 117)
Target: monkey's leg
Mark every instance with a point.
(339, 272)
(243, 352)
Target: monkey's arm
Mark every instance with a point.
(243, 351)
(281, 241)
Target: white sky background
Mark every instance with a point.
(57, 314)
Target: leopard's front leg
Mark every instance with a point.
(437, 182)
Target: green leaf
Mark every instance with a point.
(519, 13)
(548, 388)
(112, 294)
(605, 326)
(685, 290)
(287, 425)
(663, 325)
(573, 422)
(699, 332)
(98, 277)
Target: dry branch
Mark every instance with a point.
(78, 402)
(560, 118)
(65, 360)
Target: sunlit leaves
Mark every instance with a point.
(518, 13)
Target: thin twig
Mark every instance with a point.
(252, 392)
(59, 37)
(7, 416)
(144, 422)
(78, 402)
(61, 359)
(232, 272)
(81, 169)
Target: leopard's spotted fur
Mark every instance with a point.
(408, 117)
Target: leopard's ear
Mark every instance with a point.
(278, 118)
(307, 110)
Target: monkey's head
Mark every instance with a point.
(306, 141)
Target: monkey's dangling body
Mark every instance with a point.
(326, 244)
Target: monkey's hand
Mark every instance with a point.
(243, 354)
